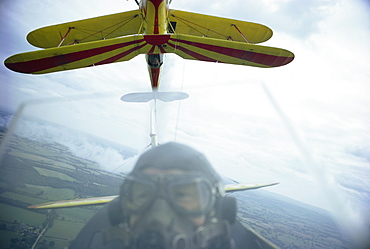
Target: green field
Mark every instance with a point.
(11, 213)
(47, 193)
(64, 229)
(52, 173)
(6, 236)
(57, 194)
(23, 198)
(59, 243)
(78, 214)
(34, 173)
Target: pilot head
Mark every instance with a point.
(174, 199)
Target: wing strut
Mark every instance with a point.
(64, 37)
(240, 33)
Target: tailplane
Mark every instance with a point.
(142, 97)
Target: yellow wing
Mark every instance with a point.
(75, 203)
(93, 29)
(230, 188)
(125, 48)
(231, 52)
(78, 56)
(130, 22)
(188, 23)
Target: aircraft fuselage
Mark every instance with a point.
(154, 14)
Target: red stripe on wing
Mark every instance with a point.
(192, 53)
(119, 56)
(37, 65)
(255, 57)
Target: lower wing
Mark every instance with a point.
(102, 200)
(125, 48)
(78, 56)
(231, 52)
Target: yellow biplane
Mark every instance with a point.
(154, 29)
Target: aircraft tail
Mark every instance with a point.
(142, 97)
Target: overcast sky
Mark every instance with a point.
(305, 125)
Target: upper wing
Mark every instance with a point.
(130, 22)
(231, 52)
(93, 29)
(182, 22)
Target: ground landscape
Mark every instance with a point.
(33, 173)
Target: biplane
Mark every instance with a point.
(154, 30)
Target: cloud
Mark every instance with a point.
(363, 153)
(297, 18)
(108, 155)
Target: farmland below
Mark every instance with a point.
(32, 172)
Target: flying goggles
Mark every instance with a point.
(190, 194)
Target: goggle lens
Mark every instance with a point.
(191, 195)
(138, 195)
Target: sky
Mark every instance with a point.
(305, 125)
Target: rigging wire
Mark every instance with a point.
(207, 33)
(97, 33)
(131, 158)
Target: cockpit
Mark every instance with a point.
(155, 60)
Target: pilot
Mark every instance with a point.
(173, 199)
(155, 60)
